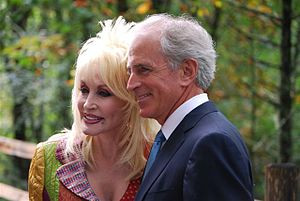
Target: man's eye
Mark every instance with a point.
(143, 70)
(104, 93)
(129, 71)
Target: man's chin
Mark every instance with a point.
(146, 114)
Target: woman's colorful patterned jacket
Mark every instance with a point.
(54, 177)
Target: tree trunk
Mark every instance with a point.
(215, 24)
(20, 131)
(161, 6)
(285, 119)
(122, 7)
(281, 182)
(20, 103)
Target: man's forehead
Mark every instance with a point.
(146, 35)
(144, 44)
(134, 61)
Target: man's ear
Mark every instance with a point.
(189, 71)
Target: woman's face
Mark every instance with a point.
(100, 110)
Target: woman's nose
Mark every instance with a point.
(90, 102)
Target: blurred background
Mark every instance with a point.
(257, 83)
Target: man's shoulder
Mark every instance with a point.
(201, 116)
(203, 109)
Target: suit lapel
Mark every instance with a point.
(172, 145)
(162, 159)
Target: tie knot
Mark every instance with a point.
(160, 137)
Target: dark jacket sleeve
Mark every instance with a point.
(218, 170)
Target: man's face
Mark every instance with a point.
(155, 85)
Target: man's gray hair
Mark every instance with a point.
(184, 38)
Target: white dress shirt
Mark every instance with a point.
(177, 116)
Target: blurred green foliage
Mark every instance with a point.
(40, 40)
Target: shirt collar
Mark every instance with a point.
(177, 116)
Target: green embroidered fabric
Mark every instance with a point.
(51, 165)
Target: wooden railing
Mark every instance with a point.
(17, 148)
(11, 193)
(20, 149)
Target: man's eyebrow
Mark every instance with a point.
(141, 66)
(138, 65)
(135, 66)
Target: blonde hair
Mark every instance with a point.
(105, 56)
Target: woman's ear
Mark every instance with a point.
(189, 71)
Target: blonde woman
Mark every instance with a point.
(102, 157)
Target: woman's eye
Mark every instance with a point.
(104, 93)
(84, 90)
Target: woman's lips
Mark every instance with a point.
(91, 119)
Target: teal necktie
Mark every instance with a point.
(159, 139)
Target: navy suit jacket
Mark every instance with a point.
(204, 159)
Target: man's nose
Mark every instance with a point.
(133, 82)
